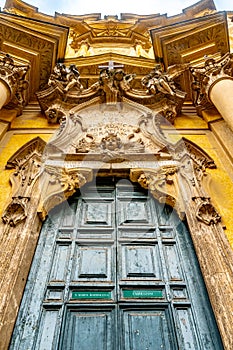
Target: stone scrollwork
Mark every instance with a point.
(55, 113)
(27, 165)
(194, 161)
(16, 211)
(14, 77)
(205, 211)
(58, 184)
(162, 184)
(206, 76)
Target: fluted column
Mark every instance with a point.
(213, 86)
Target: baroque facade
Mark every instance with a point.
(142, 98)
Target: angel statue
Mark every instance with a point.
(158, 81)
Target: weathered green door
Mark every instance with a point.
(115, 270)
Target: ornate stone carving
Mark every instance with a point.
(58, 184)
(55, 113)
(205, 211)
(113, 82)
(66, 77)
(27, 164)
(16, 211)
(114, 145)
(160, 182)
(14, 77)
(113, 86)
(129, 37)
(27, 39)
(214, 30)
(194, 161)
(159, 81)
(208, 75)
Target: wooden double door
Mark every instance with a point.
(115, 270)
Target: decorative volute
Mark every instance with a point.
(12, 83)
(213, 85)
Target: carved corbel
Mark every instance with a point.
(161, 183)
(194, 161)
(205, 211)
(27, 164)
(58, 184)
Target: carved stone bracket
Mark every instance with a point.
(194, 161)
(27, 164)
(205, 211)
(207, 76)
(161, 183)
(14, 77)
(58, 184)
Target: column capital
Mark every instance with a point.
(206, 76)
(12, 76)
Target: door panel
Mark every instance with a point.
(115, 270)
(93, 262)
(87, 329)
(146, 329)
(139, 261)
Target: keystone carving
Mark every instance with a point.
(206, 76)
(113, 145)
(205, 211)
(14, 77)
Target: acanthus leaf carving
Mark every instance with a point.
(27, 164)
(194, 161)
(58, 184)
(206, 76)
(161, 183)
(205, 211)
(14, 77)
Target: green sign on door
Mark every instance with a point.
(91, 295)
(127, 293)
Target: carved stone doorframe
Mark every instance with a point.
(38, 187)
